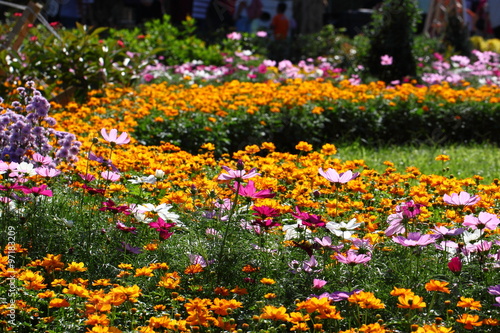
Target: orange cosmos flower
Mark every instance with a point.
(95, 319)
(198, 311)
(144, 271)
(411, 302)
(220, 306)
(469, 321)
(239, 291)
(267, 281)
(58, 303)
(436, 285)
(46, 294)
(129, 293)
(76, 267)
(366, 300)
(304, 146)
(372, 328)
(443, 158)
(223, 291)
(52, 263)
(193, 269)
(170, 280)
(74, 289)
(32, 280)
(469, 303)
(274, 313)
(249, 269)
(401, 291)
(101, 282)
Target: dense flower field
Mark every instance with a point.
(104, 234)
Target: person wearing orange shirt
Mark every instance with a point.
(280, 23)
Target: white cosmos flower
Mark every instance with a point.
(26, 168)
(162, 210)
(145, 179)
(343, 229)
(294, 230)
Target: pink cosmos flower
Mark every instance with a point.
(262, 34)
(352, 258)
(42, 159)
(483, 221)
(386, 60)
(110, 175)
(333, 176)
(250, 191)
(310, 220)
(234, 36)
(461, 199)
(415, 239)
(113, 136)
(47, 172)
(318, 283)
(237, 174)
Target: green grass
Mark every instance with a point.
(465, 160)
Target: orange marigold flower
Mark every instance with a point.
(436, 285)
(97, 319)
(32, 280)
(469, 320)
(270, 295)
(411, 302)
(372, 328)
(58, 283)
(193, 269)
(150, 247)
(75, 289)
(58, 303)
(76, 267)
(268, 145)
(125, 266)
(274, 313)
(328, 149)
(129, 293)
(465, 302)
(304, 146)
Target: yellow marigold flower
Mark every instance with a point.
(304, 146)
(208, 146)
(443, 158)
(469, 320)
(436, 285)
(58, 303)
(267, 281)
(144, 271)
(159, 265)
(366, 300)
(76, 267)
(129, 293)
(434, 329)
(274, 313)
(328, 149)
(270, 295)
(300, 327)
(193, 269)
(170, 280)
(125, 266)
(465, 302)
(411, 302)
(401, 291)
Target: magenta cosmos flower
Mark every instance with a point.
(335, 177)
(251, 192)
(415, 239)
(113, 137)
(461, 199)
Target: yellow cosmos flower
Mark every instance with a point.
(411, 302)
